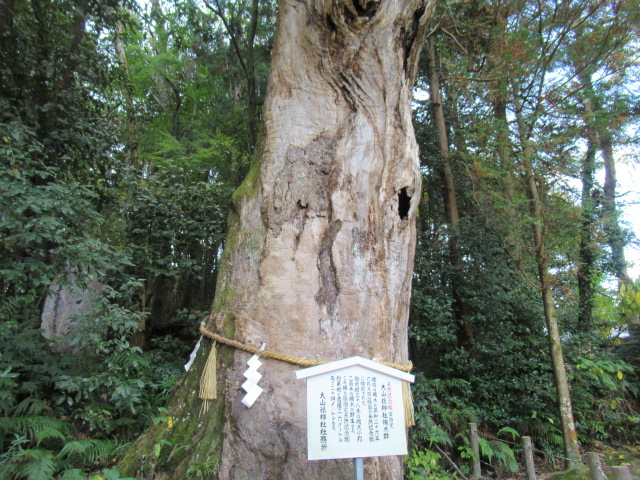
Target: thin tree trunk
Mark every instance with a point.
(615, 237)
(600, 131)
(6, 27)
(247, 61)
(133, 137)
(252, 105)
(319, 256)
(569, 435)
(511, 238)
(462, 312)
(587, 250)
(168, 94)
(534, 191)
(77, 34)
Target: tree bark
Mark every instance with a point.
(535, 193)
(247, 61)
(133, 137)
(462, 312)
(319, 256)
(600, 132)
(588, 248)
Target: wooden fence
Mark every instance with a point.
(596, 471)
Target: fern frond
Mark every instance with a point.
(88, 450)
(30, 425)
(49, 434)
(505, 455)
(7, 470)
(511, 431)
(435, 435)
(38, 464)
(73, 474)
(486, 448)
(30, 406)
(11, 307)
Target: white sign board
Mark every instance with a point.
(354, 410)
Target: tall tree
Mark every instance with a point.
(318, 261)
(552, 22)
(133, 135)
(606, 111)
(244, 48)
(462, 312)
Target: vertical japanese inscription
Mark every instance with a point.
(323, 422)
(355, 415)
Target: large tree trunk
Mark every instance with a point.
(318, 261)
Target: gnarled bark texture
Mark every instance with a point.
(319, 259)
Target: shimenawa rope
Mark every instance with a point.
(208, 384)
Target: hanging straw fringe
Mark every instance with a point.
(208, 381)
(407, 400)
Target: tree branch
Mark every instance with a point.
(453, 464)
(234, 39)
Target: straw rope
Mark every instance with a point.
(282, 357)
(208, 384)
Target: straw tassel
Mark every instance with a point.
(208, 381)
(407, 400)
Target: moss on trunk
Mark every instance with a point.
(191, 440)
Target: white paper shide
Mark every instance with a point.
(253, 377)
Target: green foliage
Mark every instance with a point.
(421, 464)
(629, 298)
(37, 446)
(110, 474)
(48, 400)
(498, 139)
(603, 389)
(44, 223)
(72, 210)
(496, 452)
(443, 412)
(203, 470)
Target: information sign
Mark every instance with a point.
(354, 409)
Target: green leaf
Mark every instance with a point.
(508, 430)
(38, 464)
(49, 433)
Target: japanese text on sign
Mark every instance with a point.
(355, 412)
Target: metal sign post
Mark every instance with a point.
(358, 469)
